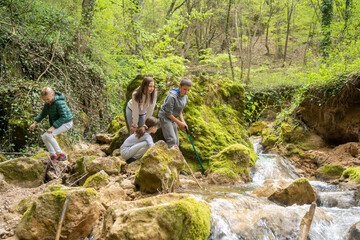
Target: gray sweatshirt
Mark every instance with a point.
(132, 140)
(173, 104)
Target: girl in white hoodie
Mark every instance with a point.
(141, 105)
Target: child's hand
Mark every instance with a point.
(183, 126)
(133, 129)
(175, 147)
(50, 130)
(32, 126)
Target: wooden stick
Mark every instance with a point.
(58, 232)
(306, 222)
(192, 173)
(16, 153)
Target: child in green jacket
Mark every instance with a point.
(60, 119)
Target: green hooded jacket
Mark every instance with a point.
(58, 112)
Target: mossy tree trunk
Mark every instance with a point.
(85, 25)
(326, 18)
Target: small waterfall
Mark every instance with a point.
(237, 214)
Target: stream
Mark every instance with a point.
(237, 214)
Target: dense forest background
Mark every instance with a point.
(91, 49)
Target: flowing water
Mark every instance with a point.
(237, 214)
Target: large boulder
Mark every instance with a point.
(353, 232)
(159, 170)
(287, 192)
(232, 164)
(85, 150)
(24, 172)
(111, 165)
(41, 219)
(163, 217)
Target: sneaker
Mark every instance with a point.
(130, 160)
(61, 157)
(182, 172)
(53, 158)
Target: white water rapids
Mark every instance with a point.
(237, 214)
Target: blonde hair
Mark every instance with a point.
(46, 91)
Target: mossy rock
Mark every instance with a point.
(233, 163)
(186, 218)
(116, 124)
(290, 133)
(352, 173)
(160, 168)
(41, 154)
(269, 140)
(40, 221)
(257, 127)
(329, 172)
(24, 172)
(213, 114)
(98, 180)
(118, 139)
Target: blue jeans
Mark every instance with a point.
(129, 117)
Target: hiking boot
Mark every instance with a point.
(53, 158)
(61, 157)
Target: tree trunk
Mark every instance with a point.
(239, 42)
(87, 14)
(288, 22)
(326, 18)
(228, 40)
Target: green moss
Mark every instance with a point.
(233, 162)
(80, 166)
(269, 140)
(352, 173)
(2, 158)
(333, 170)
(22, 169)
(189, 219)
(91, 158)
(97, 180)
(28, 213)
(41, 154)
(257, 127)
(116, 124)
(301, 181)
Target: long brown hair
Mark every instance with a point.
(150, 122)
(143, 89)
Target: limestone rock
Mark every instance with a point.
(159, 170)
(41, 219)
(126, 184)
(287, 192)
(111, 165)
(353, 233)
(104, 138)
(24, 172)
(111, 193)
(232, 164)
(98, 180)
(106, 148)
(88, 151)
(163, 217)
